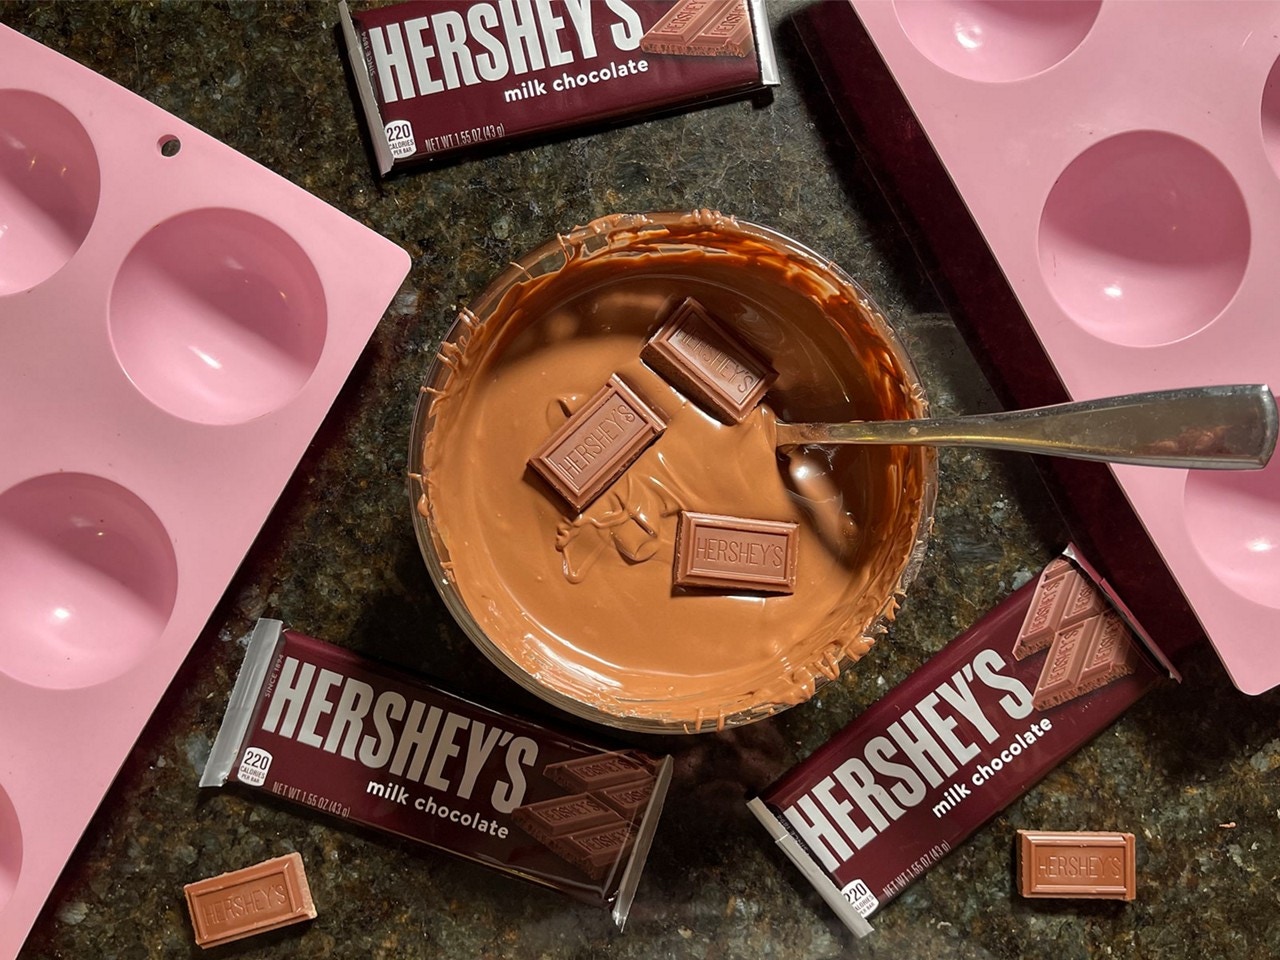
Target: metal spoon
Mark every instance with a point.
(1216, 428)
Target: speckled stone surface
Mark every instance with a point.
(1193, 771)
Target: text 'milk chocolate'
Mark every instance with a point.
(735, 553)
(706, 361)
(1077, 864)
(597, 444)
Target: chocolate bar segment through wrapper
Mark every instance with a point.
(596, 851)
(598, 771)
(326, 728)
(951, 746)
(1083, 657)
(548, 819)
(702, 28)
(1063, 596)
(629, 799)
(1089, 645)
(589, 829)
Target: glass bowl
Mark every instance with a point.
(580, 608)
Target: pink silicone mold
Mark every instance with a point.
(1122, 161)
(88, 579)
(175, 322)
(49, 185)
(218, 316)
(1115, 248)
(996, 40)
(10, 848)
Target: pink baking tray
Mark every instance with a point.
(173, 329)
(1122, 161)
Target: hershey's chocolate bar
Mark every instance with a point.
(728, 36)
(1063, 597)
(913, 776)
(590, 830)
(1077, 864)
(438, 79)
(1083, 657)
(548, 819)
(735, 553)
(627, 798)
(594, 850)
(1089, 645)
(597, 444)
(322, 726)
(599, 771)
(706, 28)
(701, 357)
(251, 900)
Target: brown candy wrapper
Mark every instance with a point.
(323, 727)
(442, 79)
(973, 729)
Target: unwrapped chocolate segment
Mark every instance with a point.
(1077, 864)
(597, 444)
(265, 896)
(736, 553)
(704, 359)
(629, 799)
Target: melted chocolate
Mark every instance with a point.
(584, 604)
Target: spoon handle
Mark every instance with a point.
(1220, 427)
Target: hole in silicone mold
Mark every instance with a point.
(1144, 238)
(10, 848)
(49, 188)
(1271, 117)
(1234, 520)
(169, 146)
(997, 40)
(88, 580)
(218, 316)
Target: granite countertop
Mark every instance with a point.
(1192, 769)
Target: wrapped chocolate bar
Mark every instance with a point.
(969, 732)
(322, 726)
(444, 78)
